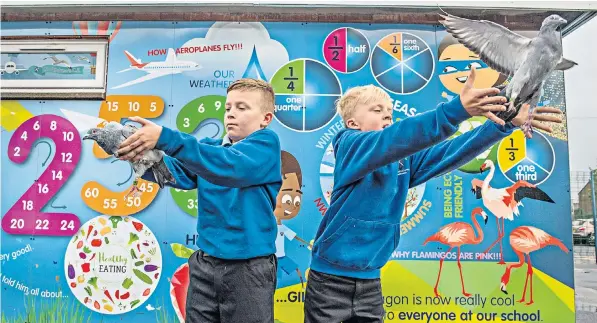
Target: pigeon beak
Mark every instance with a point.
(86, 137)
(562, 22)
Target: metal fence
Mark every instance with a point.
(583, 230)
(584, 253)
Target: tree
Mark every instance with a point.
(411, 201)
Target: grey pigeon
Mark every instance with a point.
(528, 61)
(112, 134)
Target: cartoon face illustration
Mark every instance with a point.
(455, 63)
(288, 201)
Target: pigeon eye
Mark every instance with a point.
(449, 69)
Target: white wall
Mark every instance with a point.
(581, 96)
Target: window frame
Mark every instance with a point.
(58, 89)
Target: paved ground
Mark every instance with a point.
(585, 281)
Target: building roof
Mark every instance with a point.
(519, 15)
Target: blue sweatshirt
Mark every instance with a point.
(373, 173)
(236, 187)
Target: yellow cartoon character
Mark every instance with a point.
(288, 205)
(455, 63)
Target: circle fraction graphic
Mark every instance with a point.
(346, 50)
(402, 63)
(113, 264)
(530, 160)
(306, 91)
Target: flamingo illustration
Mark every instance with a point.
(457, 234)
(524, 240)
(504, 202)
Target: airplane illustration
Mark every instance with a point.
(11, 67)
(156, 69)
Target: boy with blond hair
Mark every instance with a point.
(233, 274)
(376, 163)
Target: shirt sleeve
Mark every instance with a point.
(451, 154)
(362, 152)
(289, 233)
(254, 160)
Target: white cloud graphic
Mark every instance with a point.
(270, 53)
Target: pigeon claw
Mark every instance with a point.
(527, 128)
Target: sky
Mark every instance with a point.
(581, 85)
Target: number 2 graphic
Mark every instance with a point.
(25, 216)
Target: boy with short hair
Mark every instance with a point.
(376, 163)
(233, 274)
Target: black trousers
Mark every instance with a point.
(335, 299)
(231, 291)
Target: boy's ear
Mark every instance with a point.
(267, 119)
(352, 124)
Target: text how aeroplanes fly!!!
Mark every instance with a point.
(197, 49)
(172, 65)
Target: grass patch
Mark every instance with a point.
(49, 310)
(163, 315)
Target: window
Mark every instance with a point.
(54, 67)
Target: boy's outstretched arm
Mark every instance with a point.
(451, 154)
(251, 161)
(364, 152)
(185, 180)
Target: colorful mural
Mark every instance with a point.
(75, 247)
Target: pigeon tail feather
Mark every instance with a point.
(162, 174)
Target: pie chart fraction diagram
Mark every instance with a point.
(306, 91)
(522, 159)
(402, 63)
(346, 50)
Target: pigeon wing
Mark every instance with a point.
(502, 49)
(128, 130)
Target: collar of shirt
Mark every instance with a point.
(226, 142)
